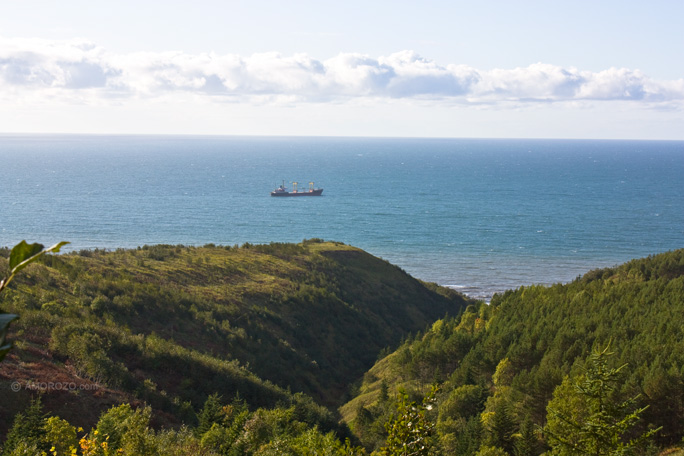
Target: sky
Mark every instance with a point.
(488, 69)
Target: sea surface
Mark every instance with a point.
(478, 215)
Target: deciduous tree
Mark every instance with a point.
(410, 429)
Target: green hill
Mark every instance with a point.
(284, 332)
(170, 325)
(515, 352)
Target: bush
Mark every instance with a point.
(60, 435)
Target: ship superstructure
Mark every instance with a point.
(283, 191)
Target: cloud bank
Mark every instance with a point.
(79, 69)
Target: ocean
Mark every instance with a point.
(479, 215)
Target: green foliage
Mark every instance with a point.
(24, 254)
(527, 443)
(221, 439)
(226, 428)
(28, 430)
(518, 349)
(501, 428)
(181, 442)
(410, 429)
(310, 317)
(212, 413)
(466, 441)
(503, 376)
(309, 443)
(491, 451)
(113, 424)
(21, 256)
(236, 431)
(463, 402)
(592, 420)
(60, 435)
(171, 326)
(127, 429)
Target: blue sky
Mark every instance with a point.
(601, 69)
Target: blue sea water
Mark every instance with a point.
(476, 214)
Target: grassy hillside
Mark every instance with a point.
(169, 325)
(508, 358)
(278, 329)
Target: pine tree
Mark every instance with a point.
(468, 441)
(526, 443)
(502, 428)
(28, 429)
(384, 392)
(588, 420)
(211, 413)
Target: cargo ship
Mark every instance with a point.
(282, 190)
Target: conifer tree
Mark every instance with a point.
(28, 429)
(588, 419)
(384, 392)
(211, 413)
(502, 428)
(526, 443)
(469, 440)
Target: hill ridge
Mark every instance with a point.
(517, 351)
(169, 325)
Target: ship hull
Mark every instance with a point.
(316, 192)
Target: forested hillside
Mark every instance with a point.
(171, 325)
(247, 350)
(498, 367)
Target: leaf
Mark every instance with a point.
(23, 251)
(23, 254)
(5, 320)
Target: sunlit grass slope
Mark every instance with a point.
(171, 324)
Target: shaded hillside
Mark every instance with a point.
(170, 325)
(509, 357)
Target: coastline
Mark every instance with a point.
(476, 276)
(483, 215)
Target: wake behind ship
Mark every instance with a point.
(282, 190)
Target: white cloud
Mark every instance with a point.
(416, 75)
(80, 69)
(356, 75)
(74, 64)
(535, 82)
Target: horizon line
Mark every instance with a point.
(296, 136)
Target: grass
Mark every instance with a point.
(261, 320)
